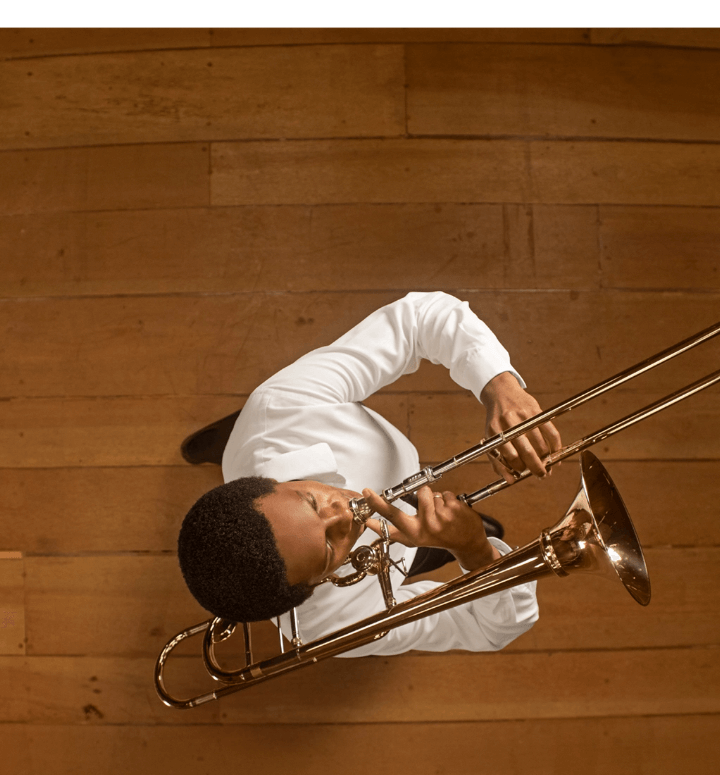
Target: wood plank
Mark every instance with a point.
(100, 509)
(420, 170)
(112, 178)
(229, 344)
(564, 248)
(12, 605)
(502, 686)
(671, 503)
(671, 744)
(263, 37)
(563, 91)
(365, 171)
(15, 43)
(84, 690)
(660, 247)
(196, 95)
(140, 509)
(355, 247)
(559, 685)
(135, 604)
(698, 37)
(625, 173)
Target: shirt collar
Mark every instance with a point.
(316, 462)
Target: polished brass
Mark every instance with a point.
(596, 535)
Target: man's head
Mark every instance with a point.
(252, 549)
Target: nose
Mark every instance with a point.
(337, 517)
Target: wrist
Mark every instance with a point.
(499, 384)
(477, 557)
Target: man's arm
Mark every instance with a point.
(389, 343)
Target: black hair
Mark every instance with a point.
(229, 557)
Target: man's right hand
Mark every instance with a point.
(442, 521)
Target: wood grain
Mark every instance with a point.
(104, 178)
(250, 249)
(244, 37)
(368, 171)
(137, 603)
(695, 38)
(432, 170)
(112, 509)
(502, 686)
(549, 747)
(191, 95)
(229, 344)
(12, 605)
(563, 91)
(625, 173)
(29, 43)
(660, 247)
(359, 247)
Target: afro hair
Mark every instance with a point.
(229, 558)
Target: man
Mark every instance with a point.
(304, 445)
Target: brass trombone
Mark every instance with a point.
(595, 535)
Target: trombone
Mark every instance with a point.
(595, 535)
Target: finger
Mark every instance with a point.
(529, 457)
(537, 440)
(500, 470)
(401, 520)
(511, 457)
(428, 504)
(552, 436)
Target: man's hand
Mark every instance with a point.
(442, 521)
(507, 404)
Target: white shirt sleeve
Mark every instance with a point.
(391, 342)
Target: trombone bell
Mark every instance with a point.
(596, 535)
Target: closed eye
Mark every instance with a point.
(330, 553)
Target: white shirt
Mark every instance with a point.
(306, 422)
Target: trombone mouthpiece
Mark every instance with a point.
(360, 509)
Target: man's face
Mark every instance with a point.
(313, 527)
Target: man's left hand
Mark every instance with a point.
(507, 405)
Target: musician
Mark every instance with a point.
(304, 445)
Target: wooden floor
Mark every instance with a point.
(183, 212)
